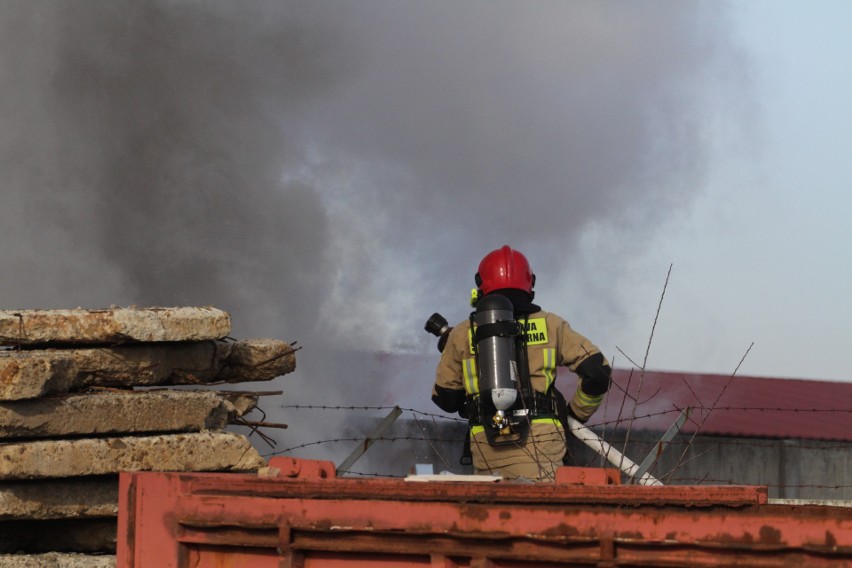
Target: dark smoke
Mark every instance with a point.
(174, 125)
(333, 171)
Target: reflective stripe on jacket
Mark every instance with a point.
(551, 344)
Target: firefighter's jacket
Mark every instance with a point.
(551, 343)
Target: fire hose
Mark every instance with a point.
(612, 455)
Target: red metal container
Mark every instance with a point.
(306, 517)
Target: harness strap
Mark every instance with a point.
(540, 405)
(497, 329)
(478, 429)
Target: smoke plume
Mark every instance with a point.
(332, 172)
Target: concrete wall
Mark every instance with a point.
(792, 469)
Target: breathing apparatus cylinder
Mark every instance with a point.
(496, 332)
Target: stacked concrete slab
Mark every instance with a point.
(85, 394)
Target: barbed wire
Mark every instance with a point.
(456, 420)
(624, 419)
(827, 445)
(603, 425)
(701, 446)
(361, 439)
(339, 407)
(755, 443)
(710, 481)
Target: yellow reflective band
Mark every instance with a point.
(470, 340)
(549, 367)
(536, 331)
(554, 421)
(587, 400)
(479, 429)
(471, 378)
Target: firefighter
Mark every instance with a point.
(524, 436)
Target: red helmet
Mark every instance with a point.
(505, 268)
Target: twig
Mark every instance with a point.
(645, 360)
(653, 396)
(712, 406)
(440, 453)
(695, 457)
(634, 363)
(255, 429)
(656, 317)
(695, 396)
(605, 408)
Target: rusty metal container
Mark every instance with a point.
(300, 515)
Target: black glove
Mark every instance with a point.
(449, 400)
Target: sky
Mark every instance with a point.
(763, 254)
(331, 173)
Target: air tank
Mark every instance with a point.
(496, 330)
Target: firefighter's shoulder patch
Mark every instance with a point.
(535, 330)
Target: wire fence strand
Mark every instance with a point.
(441, 435)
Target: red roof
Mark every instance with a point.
(727, 406)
